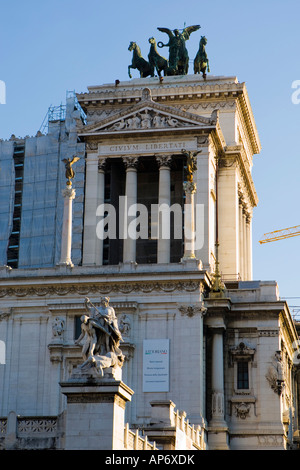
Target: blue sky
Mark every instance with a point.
(49, 47)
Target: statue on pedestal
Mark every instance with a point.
(102, 337)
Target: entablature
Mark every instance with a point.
(190, 94)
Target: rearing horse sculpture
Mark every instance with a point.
(138, 62)
(201, 61)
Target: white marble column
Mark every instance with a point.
(129, 246)
(90, 219)
(101, 200)
(164, 198)
(218, 409)
(66, 240)
(189, 221)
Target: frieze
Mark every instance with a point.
(125, 288)
(148, 120)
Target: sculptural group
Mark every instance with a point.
(101, 337)
(178, 61)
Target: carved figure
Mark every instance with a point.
(201, 63)
(275, 374)
(102, 362)
(146, 121)
(158, 62)
(191, 163)
(105, 321)
(88, 333)
(69, 170)
(178, 54)
(119, 125)
(58, 326)
(101, 336)
(138, 62)
(125, 325)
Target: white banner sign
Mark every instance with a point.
(156, 365)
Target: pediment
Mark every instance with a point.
(149, 116)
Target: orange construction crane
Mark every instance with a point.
(281, 234)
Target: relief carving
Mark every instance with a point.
(275, 374)
(242, 410)
(58, 327)
(148, 119)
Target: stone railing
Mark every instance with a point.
(46, 431)
(192, 432)
(181, 434)
(133, 441)
(34, 432)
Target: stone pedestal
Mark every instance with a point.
(218, 437)
(95, 413)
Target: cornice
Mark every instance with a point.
(289, 326)
(180, 91)
(171, 88)
(248, 118)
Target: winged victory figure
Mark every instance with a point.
(69, 170)
(178, 54)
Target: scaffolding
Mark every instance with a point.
(58, 113)
(54, 113)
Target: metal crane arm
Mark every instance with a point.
(281, 234)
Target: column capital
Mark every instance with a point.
(164, 161)
(101, 163)
(189, 187)
(69, 192)
(130, 162)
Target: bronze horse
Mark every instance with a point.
(201, 61)
(155, 60)
(138, 62)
